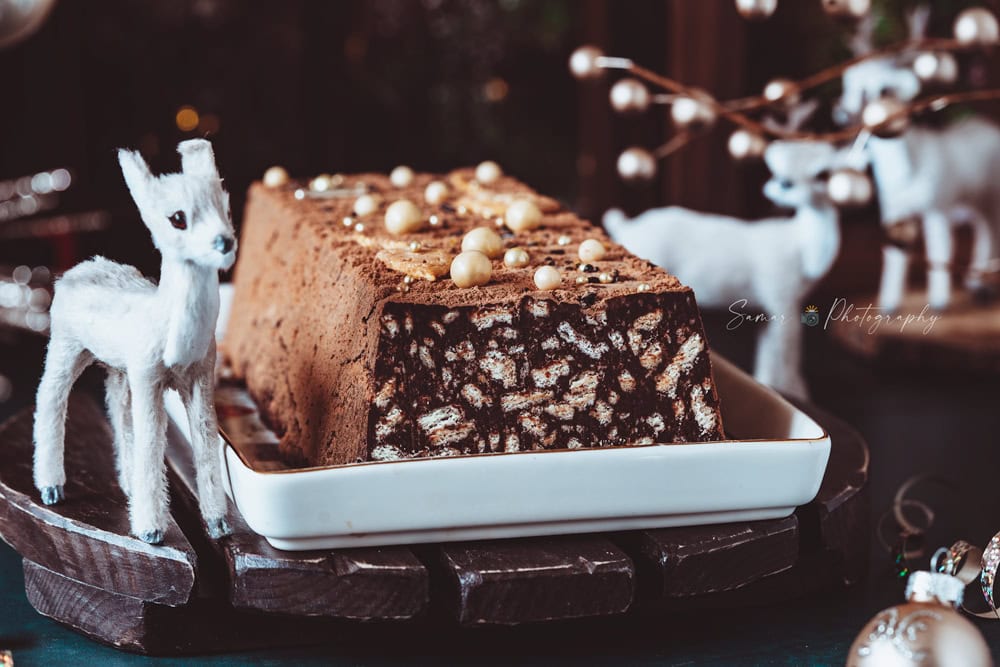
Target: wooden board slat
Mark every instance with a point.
(700, 560)
(86, 537)
(507, 582)
(203, 625)
(824, 545)
(369, 584)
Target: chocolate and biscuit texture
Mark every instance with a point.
(357, 346)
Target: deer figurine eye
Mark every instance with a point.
(178, 220)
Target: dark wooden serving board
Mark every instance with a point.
(249, 594)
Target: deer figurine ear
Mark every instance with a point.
(197, 158)
(136, 172)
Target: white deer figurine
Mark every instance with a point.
(731, 263)
(944, 178)
(150, 337)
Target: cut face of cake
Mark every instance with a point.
(359, 346)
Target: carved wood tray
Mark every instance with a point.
(192, 595)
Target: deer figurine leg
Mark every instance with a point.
(148, 501)
(895, 263)
(118, 400)
(779, 358)
(64, 362)
(982, 253)
(938, 239)
(204, 443)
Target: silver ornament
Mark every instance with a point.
(746, 145)
(693, 111)
(20, 19)
(629, 96)
(926, 630)
(636, 165)
(756, 10)
(976, 26)
(583, 63)
(885, 117)
(849, 188)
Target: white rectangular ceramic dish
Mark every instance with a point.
(775, 464)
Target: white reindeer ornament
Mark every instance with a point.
(150, 337)
(772, 263)
(942, 177)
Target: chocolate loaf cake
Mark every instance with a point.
(358, 345)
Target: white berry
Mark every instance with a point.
(592, 250)
(547, 277)
(515, 258)
(485, 240)
(275, 177)
(365, 205)
(401, 176)
(488, 172)
(403, 217)
(435, 193)
(471, 268)
(523, 215)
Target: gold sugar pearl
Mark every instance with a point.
(348, 221)
(415, 246)
(488, 172)
(605, 278)
(643, 287)
(547, 278)
(360, 227)
(582, 280)
(320, 184)
(499, 221)
(435, 193)
(563, 240)
(462, 210)
(516, 258)
(365, 205)
(403, 217)
(403, 286)
(592, 250)
(523, 215)
(401, 176)
(275, 177)
(471, 268)
(408, 280)
(337, 180)
(485, 240)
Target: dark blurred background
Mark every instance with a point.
(365, 85)
(353, 85)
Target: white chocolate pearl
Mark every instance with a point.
(401, 176)
(403, 217)
(523, 215)
(592, 250)
(435, 193)
(515, 258)
(365, 205)
(275, 177)
(488, 172)
(547, 277)
(320, 184)
(471, 268)
(485, 240)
